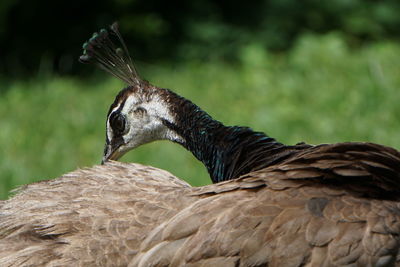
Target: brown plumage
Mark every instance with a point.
(332, 211)
(90, 217)
(322, 208)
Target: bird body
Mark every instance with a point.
(328, 212)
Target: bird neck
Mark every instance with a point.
(226, 151)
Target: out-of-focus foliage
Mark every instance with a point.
(321, 91)
(42, 35)
(314, 71)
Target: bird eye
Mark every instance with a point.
(117, 122)
(139, 110)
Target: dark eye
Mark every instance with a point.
(139, 110)
(117, 122)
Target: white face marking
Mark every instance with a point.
(110, 133)
(144, 124)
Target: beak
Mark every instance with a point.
(111, 153)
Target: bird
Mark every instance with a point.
(322, 205)
(143, 113)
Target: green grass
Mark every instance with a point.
(320, 92)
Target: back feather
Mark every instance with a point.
(316, 209)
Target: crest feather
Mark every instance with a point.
(107, 50)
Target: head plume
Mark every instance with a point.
(107, 50)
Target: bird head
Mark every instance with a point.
(140, 113)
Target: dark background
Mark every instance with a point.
(42, 34)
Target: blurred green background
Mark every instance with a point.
(313, 71)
